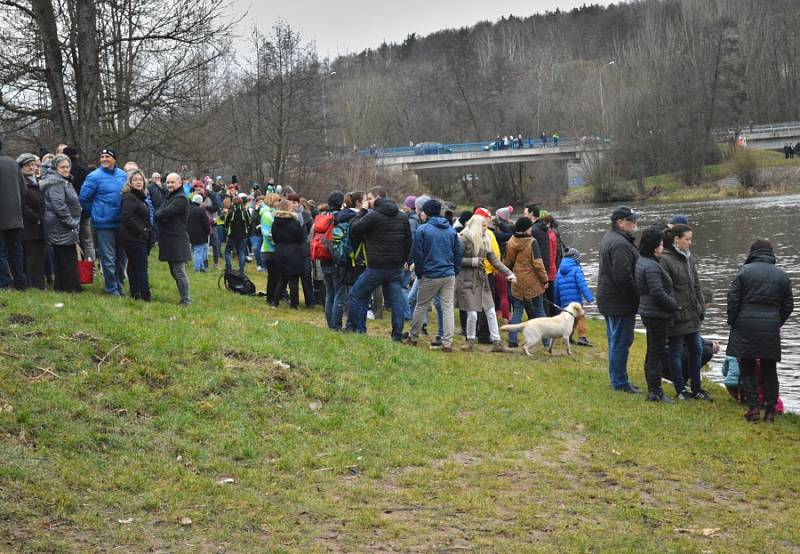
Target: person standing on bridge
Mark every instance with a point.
(543, 136)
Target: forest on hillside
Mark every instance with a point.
(655, 76)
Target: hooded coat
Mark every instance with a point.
(472, 284)
(12, 190)
(385, 232)
(570, 284)
(655, 290)
(524, 258)
(135, 225)
(62, 209)
(686, 291)
(173, 243)
(289, 237)
(436, 250)
(759, 303)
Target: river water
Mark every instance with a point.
(723, 231)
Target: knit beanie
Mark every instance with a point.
(505, 213)
(410, 202)
(420, 201)
(522, 225)
(197, 199)
(573, 253)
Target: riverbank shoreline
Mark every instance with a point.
(228, 426)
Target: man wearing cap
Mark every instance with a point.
(101, 196)
(12, 192)
(617, 298)
(437, 260)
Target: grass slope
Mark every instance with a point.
(669, 187)
(118, 419)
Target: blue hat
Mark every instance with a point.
(679, 220)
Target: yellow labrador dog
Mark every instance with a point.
(534, 330)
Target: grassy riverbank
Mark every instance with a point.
(121, 421)
(669, 187)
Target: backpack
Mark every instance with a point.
(341, 245)
(322, 238)
(237, 282)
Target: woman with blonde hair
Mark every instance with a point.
(134, 233)
(473, 292)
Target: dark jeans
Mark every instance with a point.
(308, 284)
(769, 375)
(272, 276)
(534, 307)
(12, 261)
(241, 253)
(137, 270)
(619, 330)
(341, 298)
(280, 288)
(329, 276)
(391, 282)
(35, 260)
(67, 278)
(217, 236)
(694, 343)
(657, 339)
(178, 272)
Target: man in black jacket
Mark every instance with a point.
(12, 192)
(386, 234)
(617, 298)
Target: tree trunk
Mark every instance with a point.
(87, 78)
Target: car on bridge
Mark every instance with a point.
(428, 148)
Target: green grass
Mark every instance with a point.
(357, 444)
(669, 187)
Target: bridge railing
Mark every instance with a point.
(483, 146)
(766, 128)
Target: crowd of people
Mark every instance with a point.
(361, 250)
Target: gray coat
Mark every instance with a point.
(473, 292)
(686, 292)
(62, 210)
(12, 191)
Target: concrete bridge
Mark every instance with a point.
(771, 136)
(415, 158)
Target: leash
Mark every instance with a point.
(553, 304)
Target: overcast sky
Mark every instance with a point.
(346, 26)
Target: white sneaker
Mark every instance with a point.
(260, 269)
(249, 258)
(370, 315)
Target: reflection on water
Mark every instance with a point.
(723, 232)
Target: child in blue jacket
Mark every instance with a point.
(571, 286)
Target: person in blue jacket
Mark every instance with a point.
(571, 286)
(101, 196)
(436, 251)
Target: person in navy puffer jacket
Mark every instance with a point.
(571, 286)
(101, 196)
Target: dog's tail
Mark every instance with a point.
(515, 327)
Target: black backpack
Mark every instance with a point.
(237, 282)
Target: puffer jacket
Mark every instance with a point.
(135, 225)
(198, 226)
(655, 290)
(62, 209)
(385, 232)
(437, 250)
(686, 290)
(101, 196)
(290, 238)
(524, 258)
(759, 303)
(570, 285)
(267, 216)
(616, 290)
(32, 211)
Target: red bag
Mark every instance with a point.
(85, 268)
(86, 271)
(321, 238)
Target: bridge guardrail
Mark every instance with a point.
(483, 146)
